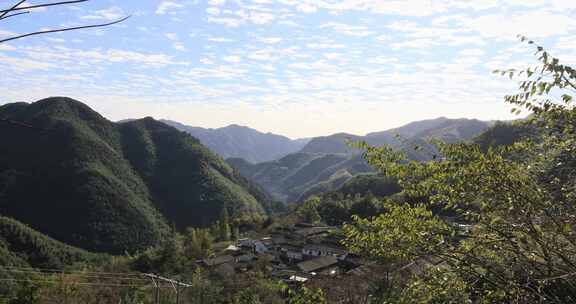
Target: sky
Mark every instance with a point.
(299, 68)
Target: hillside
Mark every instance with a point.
(242, 142)
(71, 174)
(325, 163)
(22, 246)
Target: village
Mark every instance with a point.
(295, 255)
(304, 254)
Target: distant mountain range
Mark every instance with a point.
(243, 142)
(71, 174)
(325, 163)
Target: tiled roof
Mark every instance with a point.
(318, 263)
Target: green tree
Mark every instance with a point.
(197, 243)
(309, 210)
(26, 293)
(520, 246)
(306, 296)
(203, 290)
(224, 223)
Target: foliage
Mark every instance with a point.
(306, 296)
(402, 234)
(436, 286)
(22, 246)
(308, 211)
(518, 200)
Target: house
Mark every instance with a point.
(267, 241)
(232, 248)
(324, 265)
(245, 242)
(292, 252)
(259, 247)
(324, 250)
(245, 258)
(313, 231)
(256, 246)
(297, 279)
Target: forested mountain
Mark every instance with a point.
(325, 163)
(71, 174)
(243, 142)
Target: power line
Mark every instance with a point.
(79, 274)
(177, 285)
(79, 283)
(48, 270)
(132, 279)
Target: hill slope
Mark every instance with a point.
(69, 173)
(22, 246)
(242, 142)
(325, 163)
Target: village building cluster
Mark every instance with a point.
(296, 255)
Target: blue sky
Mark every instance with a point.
(294, 67)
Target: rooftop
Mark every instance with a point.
(318, 263)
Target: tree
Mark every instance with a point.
(306, 296)
(518, 199)
(309, 210)
(18, 10)
(397, 237)
(224, 225)
(197, 243)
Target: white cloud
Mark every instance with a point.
(263, 55)
(167, 7)
(213, 11)
(221, 39)
(319, 46)
(332, 56)
(112, 13)
(219, 72)
(23, 64)
(232, 59)
(154, 60)
(472, 52)
(261, 18)
(179, 46)
(534, 24)
(7, 48)
(171, 36)
(226, 21)
(37, 9)
(307, 8)
(349, 30)
(270, 40)
(216, 2)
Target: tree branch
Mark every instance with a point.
(16, 8)
(13, 8)
(15, 14)
(64, 29)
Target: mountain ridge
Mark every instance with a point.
(242, 141)
(327, 162)
(109, 187)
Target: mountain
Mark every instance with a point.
(325, 163)
(243, 142)
(336, 143)
(73, 175)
